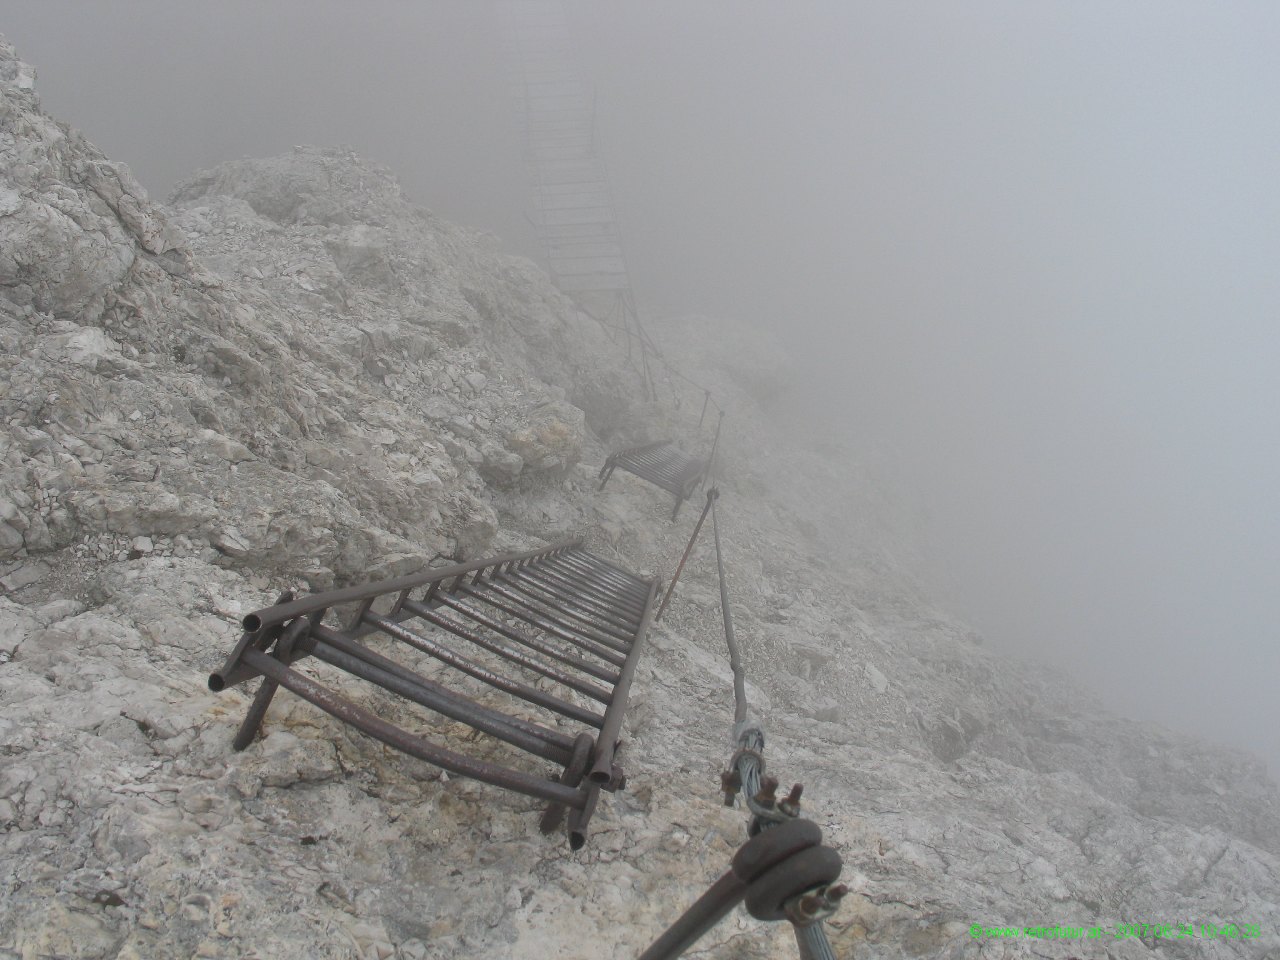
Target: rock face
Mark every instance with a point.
(290, 376)
(294, 327)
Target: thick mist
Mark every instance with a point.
(1027, 253)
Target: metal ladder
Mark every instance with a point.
(559, 617)
(663, 465)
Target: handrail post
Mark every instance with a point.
(712, 494)
(731, 641)
(715, 446)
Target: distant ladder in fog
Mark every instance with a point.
(573, 209)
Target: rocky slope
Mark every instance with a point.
(292, 376)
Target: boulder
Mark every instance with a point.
(499, 466)
(549, 437)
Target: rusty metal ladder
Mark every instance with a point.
(562, 616)
(663, 465)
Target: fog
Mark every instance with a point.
(1028, 254)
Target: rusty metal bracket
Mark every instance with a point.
(559, 614)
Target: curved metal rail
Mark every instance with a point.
(559, 614)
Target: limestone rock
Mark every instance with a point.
(878, 681)
(223, 447)
(361, 254)
(549, 439)
(500, 466)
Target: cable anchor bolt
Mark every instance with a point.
(731, 784)
(790, 804)
(815, 905)
(768, 795)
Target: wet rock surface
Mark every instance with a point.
(290, 376)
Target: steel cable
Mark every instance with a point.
(747, 766)
(735, 660)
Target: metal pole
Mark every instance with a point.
(267, 689)
(715, 444)
(735, 662)
(280, 613)
(606, 742)
(709, 909)
(770, 871)
(711, 495)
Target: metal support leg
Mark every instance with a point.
(262, 699)
(574, 771)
